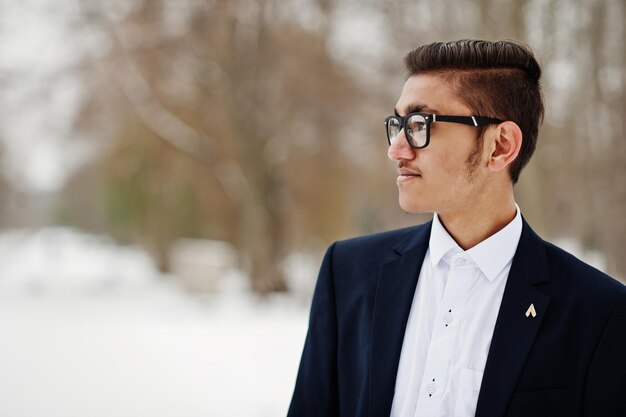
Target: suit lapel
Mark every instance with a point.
(514, 333)
(392, 304)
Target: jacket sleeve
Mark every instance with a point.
(315, 393)
(605, 389)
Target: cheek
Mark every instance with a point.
(451, 160)
(445, 165)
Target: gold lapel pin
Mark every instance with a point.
(531, 311)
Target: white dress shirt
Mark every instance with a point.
(451, 323)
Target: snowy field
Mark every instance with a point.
(88, 329)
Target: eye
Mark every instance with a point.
(416, 123)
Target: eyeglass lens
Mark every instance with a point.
(415, 130)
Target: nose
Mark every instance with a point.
(400, 148)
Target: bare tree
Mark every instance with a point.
(242, 111)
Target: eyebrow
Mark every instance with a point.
(415, 108)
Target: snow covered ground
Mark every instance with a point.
(88, 329)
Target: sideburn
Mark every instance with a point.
(473, 160)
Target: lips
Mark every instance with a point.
(404, 172)
(406, 176)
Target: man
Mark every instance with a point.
(472, 313)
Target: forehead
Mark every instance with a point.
(432, 94)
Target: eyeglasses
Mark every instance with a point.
(417, 126)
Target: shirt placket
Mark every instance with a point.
(441, 351)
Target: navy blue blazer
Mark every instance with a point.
(570, 360)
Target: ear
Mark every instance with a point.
(507, 144)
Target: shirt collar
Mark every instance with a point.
(491, 255)
(441, 243)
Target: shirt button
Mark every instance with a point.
(460, 262)
(431, 388)
(448, 318)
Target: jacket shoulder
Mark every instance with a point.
(375, 249)
(583, 277)
(387, 239)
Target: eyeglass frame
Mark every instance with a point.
(431, 118)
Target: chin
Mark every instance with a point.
(411, 206)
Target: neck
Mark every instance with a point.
(477, 221)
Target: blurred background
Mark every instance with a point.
(171, 172)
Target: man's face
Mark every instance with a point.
(441, 177)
